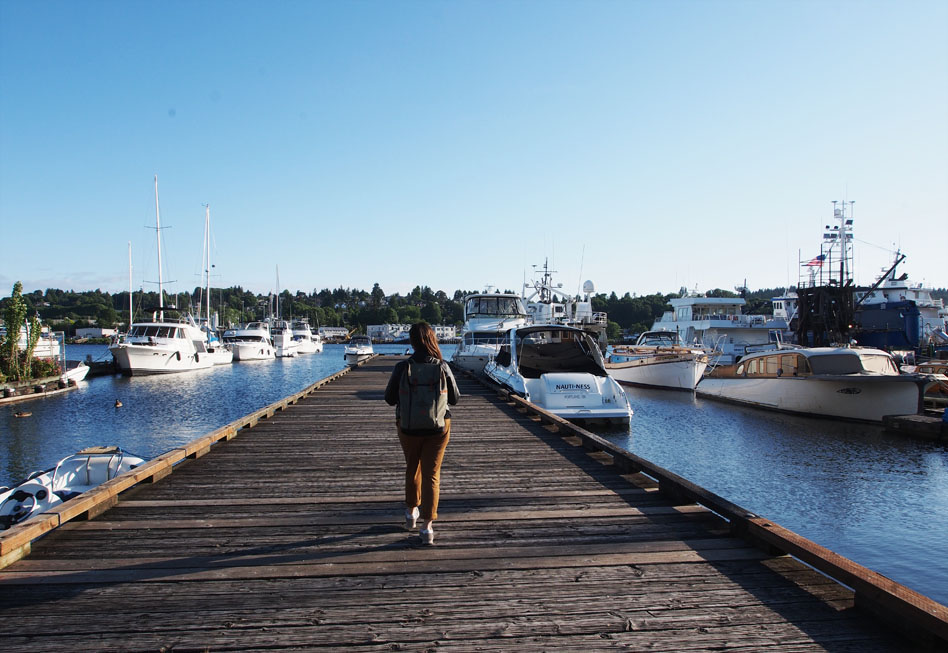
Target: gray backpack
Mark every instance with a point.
(422, 398)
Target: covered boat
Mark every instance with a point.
(560, 369)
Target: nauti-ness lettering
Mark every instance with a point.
(572, 387)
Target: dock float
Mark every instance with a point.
(285, 530)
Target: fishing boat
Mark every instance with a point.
(658, 360)
(358, 349)
(250, 342)
(560, 369)
(70, 477)
(857, 383)
(487, 318)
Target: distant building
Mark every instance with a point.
(399, 332)
(334, 333)
(95, 332)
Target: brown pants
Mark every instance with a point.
(423, 456)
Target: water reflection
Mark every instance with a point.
(877, 498)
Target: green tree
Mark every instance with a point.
(13, 316)
(431, 313)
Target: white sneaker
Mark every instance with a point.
(427, 535)
(411, 518)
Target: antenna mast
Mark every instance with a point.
(161, 291)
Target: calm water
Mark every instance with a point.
(878, 499)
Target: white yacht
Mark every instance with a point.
(487, 318)
(358, 349)
(658, 359)
(560, 369)
(218, 350)
(250, 342)
(550, 304)
(307, 341)
(283, 343)
(162, 346)
(717, 324)
(848, 383)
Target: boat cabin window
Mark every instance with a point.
(503, 356)
(775, 365)
(493, 306)
(540, 352)
(483, 338)
(836, 364)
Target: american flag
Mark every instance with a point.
(816, 262)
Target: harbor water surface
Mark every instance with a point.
(879, 499)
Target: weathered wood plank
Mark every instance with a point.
(541, 545)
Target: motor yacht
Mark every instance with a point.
(659, 360)
(560, 369)
(719, 325)
(283, 342)
(358, 349)
(162, 346)
(250, 342)
(307, 342)
(487, 318)
(856, 383)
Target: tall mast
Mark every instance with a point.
(161, 290)
(130, 312)
(207, 259)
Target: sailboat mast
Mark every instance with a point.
(207, 259)
(130, 312)
(161, 289)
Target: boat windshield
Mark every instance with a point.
(540, 352)
(658, 339)
(493, 307)
(360, 341)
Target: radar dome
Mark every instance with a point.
(589, 287)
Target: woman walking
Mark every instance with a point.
(421, 388)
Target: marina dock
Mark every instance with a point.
(284, 530)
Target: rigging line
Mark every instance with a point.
(884, 249)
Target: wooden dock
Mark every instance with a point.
(289, 535)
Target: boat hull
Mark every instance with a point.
(252, 351)
(868, 398)
(656, 372)
(138, 360)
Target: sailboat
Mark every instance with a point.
(161, 346)
(219, 352)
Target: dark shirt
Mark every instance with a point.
(391, 390)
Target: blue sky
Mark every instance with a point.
(643, 145)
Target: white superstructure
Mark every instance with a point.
(718, 324)
(487, 317)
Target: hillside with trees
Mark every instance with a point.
(67, 310)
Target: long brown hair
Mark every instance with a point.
(423, 339)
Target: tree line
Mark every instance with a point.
(354, 309)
